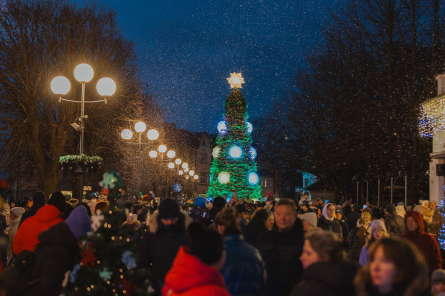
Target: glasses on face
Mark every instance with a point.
(379, 230)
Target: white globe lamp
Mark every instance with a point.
(60, 85)
(171, 165)
(83, 73)
(140, 127)
(126, 134)
(153, 134)
(162, 148)
(153, 154)
(195, 177)
(178, 161)
(106, 87)
(171, 154)
(192, 172)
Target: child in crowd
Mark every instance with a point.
(438, 282)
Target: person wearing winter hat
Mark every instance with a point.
(342, 221)
(219, 203)
(425, 242)
(195, 270)
(58, 252)
(243, 215)
(14, 215)
(38, 202)
(46, 217)
(377, 232)
(159, 245)
(199, 213)
(328, 221)
(395, 224)
(309, 222)
(438, 282)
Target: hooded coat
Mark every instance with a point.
(159, 245)
(13, 227)
(191, 277)
(328, 224)
(57, 253)
(281, 253)
(327, 279)
(31, 228)
(426, 243)
(243, 270)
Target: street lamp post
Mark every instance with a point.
(83, 73)
(178, 162)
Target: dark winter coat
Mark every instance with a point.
(35, 207)
(355, 242)
(159, 245)
(57, 253)
(3, 252)
(437, 223)
(327, 279)
(352, 219)
(3, 220)
(253, 230)
(333, 226)
(191, 277)
(244, 270)
(425, 242)
(346, 211)
(344, 228)
(395, 225)
(281, 253)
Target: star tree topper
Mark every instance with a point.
(235, 80)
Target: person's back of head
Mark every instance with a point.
(227, 222)
(206, 245)
(327, 245)
(58, 200)
(102, 206)
(39, 199)
(79, 222)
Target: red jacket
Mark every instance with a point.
(191, 277)
(425, 242)
(29, 231)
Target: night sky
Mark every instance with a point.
(187, 48)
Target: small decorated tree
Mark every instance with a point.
(441, 237)
(233, 168)
(109, 259)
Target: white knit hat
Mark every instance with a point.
(378, 223)
(310, 217)
(18, 211)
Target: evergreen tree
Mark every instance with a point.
(233, 167)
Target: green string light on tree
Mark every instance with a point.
(233, 167)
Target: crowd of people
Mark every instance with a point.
(232, 246)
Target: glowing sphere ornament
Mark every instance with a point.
(195, 177)
(249, 127)
(222, 127)
(253, 178)
(253, 153)
(216, 151)
(126, 134)
(235, 151)
(224, 178)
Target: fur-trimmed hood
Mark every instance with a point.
(153, 223)
(416, 287)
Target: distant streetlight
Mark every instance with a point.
(195, 177)
(140, 127)
(162, 148)
(152, 134)
(83, 73)
(153, 154)
(171, 165)
(178, 161)
(185, 165)
(192, 172)
(171, 154)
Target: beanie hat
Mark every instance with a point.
(377, 223)
(311, 218)
(207, 245)
(200, 202)
(219, 202)
(391, 209)
(168, 208)
(338, 210)
(39, 198)
(400, 210)
(17, 211)
(78, 222)
(58, 200)
(438, 276)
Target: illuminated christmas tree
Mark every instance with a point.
(233, 167)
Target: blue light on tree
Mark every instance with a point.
(252, 152)
(222, 127)
(253, 178)
(249, 127)
(235, 151)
